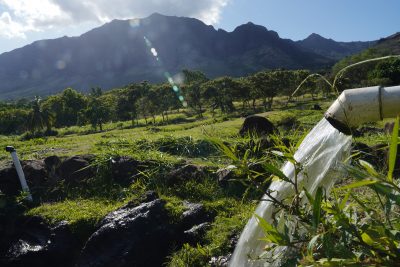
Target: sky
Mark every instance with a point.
(25, 21)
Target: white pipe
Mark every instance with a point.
(356, 106)
(20, 172)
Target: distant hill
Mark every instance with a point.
(383, 47)
(116, 54)
(332, 49)
(389, 45)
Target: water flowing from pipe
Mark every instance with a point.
(319, 153)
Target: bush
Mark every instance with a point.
(357, 225)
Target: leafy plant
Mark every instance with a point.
(342, 229)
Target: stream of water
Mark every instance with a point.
(319, 153)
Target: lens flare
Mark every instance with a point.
(167, 75)
(154, 51)
(60, 64)
(134, 23)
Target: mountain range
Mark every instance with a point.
(125, 51)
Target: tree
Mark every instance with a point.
(220, 93)
(244, 91)
(265, 85)
(65, 107)
(97, 112)
(166, 98)
(39, 117)
(14, 120)
(192, 90)
(389, 70)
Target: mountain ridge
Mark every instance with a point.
(116, 54)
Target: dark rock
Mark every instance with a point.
(52, 164)
(38, 244)
(225, 174)
(146, 197)
(378, 156)
(9, 182)
(124, 169)
(194, 215)
(233, 241)
(35, 175)
(367, 130)
(196, 233)
(289, 123)
(35, 172)
(76, 168)
(140, 236)
(221, 261)
(375, 155)
(186, 172)
(317, 107)
(257, 125)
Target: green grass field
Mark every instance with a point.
(185, 142)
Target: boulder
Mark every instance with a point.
(52, 164)
(223, 261)
(196, 233)
(367, 130)
(35, 175)
(76, 168)
(35, 172)
(257, 125)
(35, 243)
(316, 107)
(220, 261)
(186, 172)
(124, 169)
(131, 236)
(195, 214)
(225, 174)
(9, 182)
(375, 155)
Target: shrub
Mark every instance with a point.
(357, 224)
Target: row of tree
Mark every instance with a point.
(197, 92)
(145, 100)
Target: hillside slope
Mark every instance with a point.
(117, 53)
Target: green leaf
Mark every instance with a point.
(358, 184)
(344, 200)
(312, 243)
(368, 167)
(224, 148)
(309, 196)
(317, 207)
(367, 239)
(275, 171)
(271, 233)
(393, 149)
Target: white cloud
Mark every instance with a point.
(9, 28)
(22, 16)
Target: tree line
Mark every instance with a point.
(197, 92)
